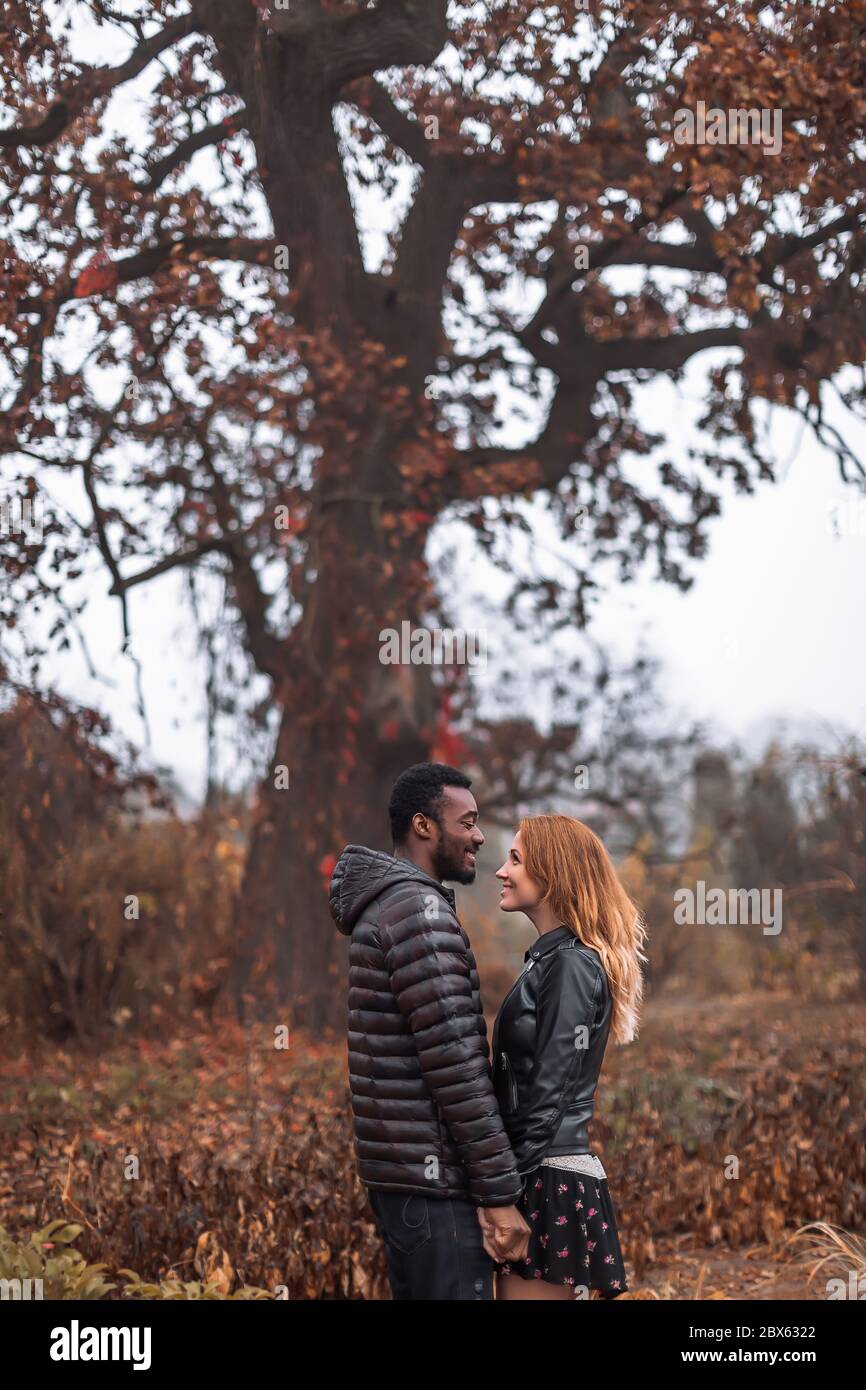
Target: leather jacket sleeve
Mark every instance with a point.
(569, 990)
(429, 969)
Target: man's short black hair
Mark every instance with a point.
(420, 788)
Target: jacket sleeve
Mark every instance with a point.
(569, 990)
(430, 975)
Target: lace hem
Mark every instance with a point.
(576, 1163)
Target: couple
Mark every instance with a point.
(477, 1176)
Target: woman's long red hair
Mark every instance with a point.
(580, 883)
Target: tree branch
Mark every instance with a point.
(496, 471)
(208, 135)
(406, 134)
(664, 354)
(90, 85)
(397, 33)
(778, 252)
(170, 562)
(266, 649)
(150, 261)
(499, 472)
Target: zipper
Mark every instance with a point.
(512, 1084)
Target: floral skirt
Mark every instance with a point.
(574, 1238)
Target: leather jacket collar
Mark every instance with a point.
(548, 941)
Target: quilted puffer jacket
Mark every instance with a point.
(425, 1113)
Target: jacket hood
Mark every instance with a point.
(362, 874)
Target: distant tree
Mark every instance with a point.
(833, 836)
(767, 831)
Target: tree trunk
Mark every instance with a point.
(349, 726)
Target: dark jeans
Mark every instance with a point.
(433, 1246)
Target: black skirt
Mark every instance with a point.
(574, 1238)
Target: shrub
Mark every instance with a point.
(48, 1256)
(114, 911)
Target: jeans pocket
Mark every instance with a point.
(412, 1229)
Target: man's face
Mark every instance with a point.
(459, 838)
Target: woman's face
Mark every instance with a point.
(519, 893)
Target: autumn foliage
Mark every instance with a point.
(247, 1173)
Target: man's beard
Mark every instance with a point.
(451, 862)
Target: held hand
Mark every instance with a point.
(484, 1223)
(505, 1233)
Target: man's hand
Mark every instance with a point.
(505, 1234)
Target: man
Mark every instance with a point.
(431, 1147)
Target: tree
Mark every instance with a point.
(832, 862)
(195, 330)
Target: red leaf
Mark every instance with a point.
(99, 277)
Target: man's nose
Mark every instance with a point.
(477, 837)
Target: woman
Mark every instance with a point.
(582, 981)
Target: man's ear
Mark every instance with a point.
(422, 826)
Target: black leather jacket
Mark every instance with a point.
(548, 1046)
